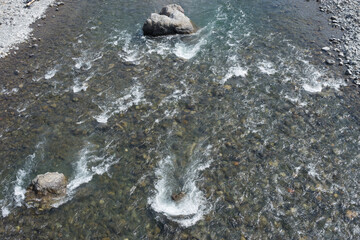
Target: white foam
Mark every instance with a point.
(189, 210)
(310, 77)
(314, 80)
(103, 117)
(78, 87)
(51, 73)
(185, 51)
(129, 52)
(160, 48)
(81, 85)
(19, 190)
(175, 96)
(235, 71)
(267, 67)
(135, 96)
(312, 88)
(82, 173)
(312, 170)
(85, 61)
(296, 100)
(88, 165)
(19, 185)
(5, 211)
(9, 92)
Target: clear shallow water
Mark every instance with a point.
(241, 116)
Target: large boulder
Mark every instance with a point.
(46, 189)
(171, 20)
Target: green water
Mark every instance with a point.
(242, 116)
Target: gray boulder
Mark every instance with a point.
(46, 189)
(171, 20)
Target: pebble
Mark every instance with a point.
(348, 72)
(351, 214)
(330, 61)
(346, 16)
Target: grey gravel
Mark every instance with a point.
(16, 21)
(346, 15)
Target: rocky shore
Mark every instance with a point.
(344, 14)
(15, 21)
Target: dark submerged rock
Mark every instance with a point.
(171, 20)
(178, 196)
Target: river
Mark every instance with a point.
(242, 116)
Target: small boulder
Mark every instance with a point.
(348, 72)
(178, 196)
(171, 20)
(46, 189)
(330, 61)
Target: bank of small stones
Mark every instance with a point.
(345, 51)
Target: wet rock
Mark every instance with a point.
(171, 20)
(102, 126)
(330, 61)
(348, 72)
(351, 214)
(178, 196)
(47, 188)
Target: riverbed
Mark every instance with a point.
(243, 117)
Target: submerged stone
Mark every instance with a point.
(171, 20)
(178, 196)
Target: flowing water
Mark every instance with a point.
(242, 116)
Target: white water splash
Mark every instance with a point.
(313, 88)
(130, 52)
(9, 92)
(89, 164)
(186, 51)
(235, 71)
(17, 197)
(315, 80)
(87, 58)
(81, 85)
(267, 67)
(51, 73)
(134, 96)
(189, 210)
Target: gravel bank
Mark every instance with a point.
(15, 21)
(344, 14)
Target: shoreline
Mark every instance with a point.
(345, 51)
(16, 20)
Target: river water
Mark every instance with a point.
(243, 117)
